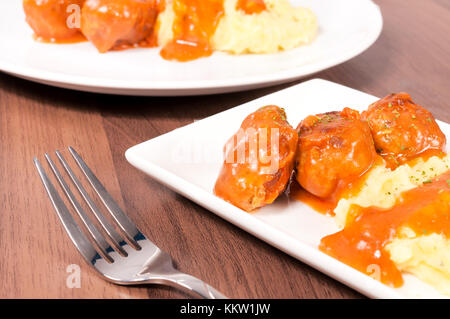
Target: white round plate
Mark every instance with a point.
(347, 28)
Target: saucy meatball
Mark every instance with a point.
(49, 19)
(116, 24)
(403, 130)
(333, 149)
(259, 160)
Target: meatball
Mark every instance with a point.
(117, 24)
(49, 19)
(333, 150)
(259, 160)
(403, 130)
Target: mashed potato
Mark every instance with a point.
(280, 27)
(383, 186)
(427, 256)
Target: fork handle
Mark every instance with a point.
(192, 286)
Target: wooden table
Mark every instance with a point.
(411, 55)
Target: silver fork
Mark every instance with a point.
(137, 262)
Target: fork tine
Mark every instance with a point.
(96, 235)
(112, 233)
(128, 227)
(76, 235)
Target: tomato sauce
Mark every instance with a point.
(318, 204)
(251, 6)
(424, 156)
(194, 25)
(74, 38)
(361, 244)
(345, 189)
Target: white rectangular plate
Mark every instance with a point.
(188, 161)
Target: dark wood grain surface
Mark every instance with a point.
(412, 55)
